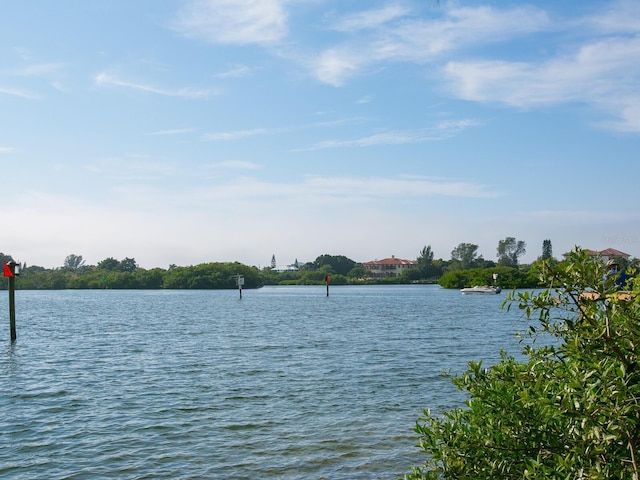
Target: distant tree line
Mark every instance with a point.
(465, 268)
(111, 273)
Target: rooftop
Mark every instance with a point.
(391, 261)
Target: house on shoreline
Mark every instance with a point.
(611, 254)
(388, 267)
(607, 255)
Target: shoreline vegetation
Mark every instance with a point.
(464, 269)
(126, 274)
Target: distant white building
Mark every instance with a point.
(294, 267)
(286, 268)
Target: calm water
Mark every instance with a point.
(283, 384)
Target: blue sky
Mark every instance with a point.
(183, 132)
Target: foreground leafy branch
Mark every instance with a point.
(570, 409)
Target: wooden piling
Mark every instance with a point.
(10, 273)
(240, 283)
(12, 307)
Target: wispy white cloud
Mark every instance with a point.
(335, 65)
(234, 135)
(370, 18)
(337, 123)
(238, 71)
(625, 112)
(441, 131)
(17, 92)
(588, 73)
(37, 70)
(240, 134)
(233, 21)
(104, 79)
(618, 17)
(604, 73)
(419, 41)
(4, 150)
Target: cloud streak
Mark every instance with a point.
(104, 79)
(37, 70)
(238, 22)
(370, 18)
(235, 134)
(605, 74)
(17, 92)
(420, 41)
(240, 71)
(442, 131)
(603, 71)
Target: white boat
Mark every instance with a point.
(481, 289)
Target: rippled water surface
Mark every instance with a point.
(284, 383)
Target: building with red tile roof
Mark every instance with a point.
(607, 254)
(388, 267)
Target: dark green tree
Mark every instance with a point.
(547, 250)
(337, 263)
(509, 250)
(109, 263)
(426, 256)
(569, 409)
(464, 256)
(74, 263)
(358, 271)
(425, 268)
(128, 265)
